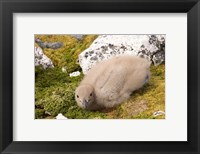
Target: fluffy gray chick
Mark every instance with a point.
(111, 82)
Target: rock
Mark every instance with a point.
(42, 59)
(151, 47)
(77, 73)
(158, 113)
(40, 43)
(78, 36)
(60, 116)
(158, 58)
(54, 45)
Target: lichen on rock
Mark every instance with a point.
(151, 47)
(41, 59)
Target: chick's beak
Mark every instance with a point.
(86, 103)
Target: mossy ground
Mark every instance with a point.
(54, 89)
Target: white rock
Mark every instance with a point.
(107, 46)
(158, 113)
(77, 73)
(42, 59)
(60, 116)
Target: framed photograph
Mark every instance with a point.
(99, 76)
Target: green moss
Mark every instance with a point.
(50, 77)
(54, 89)
(77, 113)
(60, 100)
(39, 113)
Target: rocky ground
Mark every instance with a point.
(55, 83)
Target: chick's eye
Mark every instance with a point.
(91, 94)
(77, 96)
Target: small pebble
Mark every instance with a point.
(60, 116)
(158, 113)
(73, 74)
(64, 69)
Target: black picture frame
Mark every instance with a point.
(8, 7)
